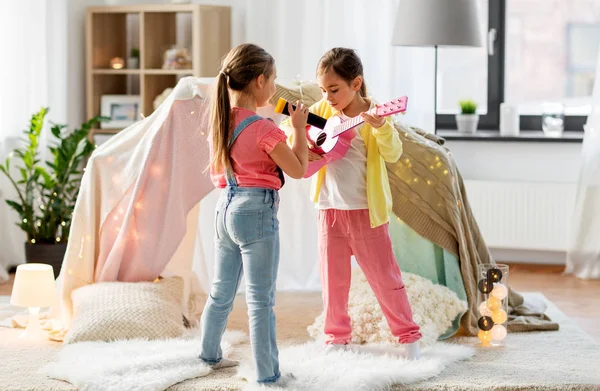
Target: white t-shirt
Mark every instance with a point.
(345, 184)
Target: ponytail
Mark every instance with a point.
(220, 121)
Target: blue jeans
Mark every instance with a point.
(246, 240)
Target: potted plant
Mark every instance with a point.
(47, 192)
(133, 61)
(468, 118)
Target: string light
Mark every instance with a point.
(499, 316)
(63, 223)
(445, 172)
(54, 194)
(484, 336)
(25, 221)
(485, 286)
(39, 224)
(500, 291)
(498, 332)
(485, 323)
(493, 303)
(483, 310)
(57, 239)
(42, 207)
(32, 241)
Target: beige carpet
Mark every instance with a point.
(564, 360)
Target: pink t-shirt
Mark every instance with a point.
(252, 165)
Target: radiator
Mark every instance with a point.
(521, 215)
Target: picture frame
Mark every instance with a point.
(123, 110)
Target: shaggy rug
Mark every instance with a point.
(134, 364)
(360, 368)
(157, 365)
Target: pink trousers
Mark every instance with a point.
(343, 233)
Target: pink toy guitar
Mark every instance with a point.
(332, 140)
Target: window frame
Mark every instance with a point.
(496, 71)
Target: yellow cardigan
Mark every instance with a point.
(383, 145)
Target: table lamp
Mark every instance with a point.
(34, 288)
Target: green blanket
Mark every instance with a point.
(419, 256)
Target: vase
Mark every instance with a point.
(50, 254)
(492, 303)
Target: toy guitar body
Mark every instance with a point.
(330, 148)
(331, 139)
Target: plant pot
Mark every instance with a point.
(133, 62)
(467, 123)
(50, 254)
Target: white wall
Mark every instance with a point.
(517, 161)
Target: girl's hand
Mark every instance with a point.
(299, 115)
(313, 157)
(374, 120)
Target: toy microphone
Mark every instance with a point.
(313, 119)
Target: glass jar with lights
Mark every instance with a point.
(492, 303)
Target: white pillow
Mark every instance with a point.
(111, 311)
(434, 308)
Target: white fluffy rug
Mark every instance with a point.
(134, 364)
(363, 367)
(156, 365)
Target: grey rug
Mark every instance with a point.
(558, 360)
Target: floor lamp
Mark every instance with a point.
(435, 23)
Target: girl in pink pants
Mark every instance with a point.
(354, 199)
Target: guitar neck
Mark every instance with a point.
(392, 107)
(347, 125)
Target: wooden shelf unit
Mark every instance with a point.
(111, 31)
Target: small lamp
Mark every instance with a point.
(117, 63)
(34, 288)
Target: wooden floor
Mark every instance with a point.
(579, 299)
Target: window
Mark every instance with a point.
(473, 73)
(545, 51)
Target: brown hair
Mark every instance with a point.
(242, 64)
(345, 63)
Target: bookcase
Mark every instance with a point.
(113, 31)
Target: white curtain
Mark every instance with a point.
(583, 254)
(23, 90)
(298, 33)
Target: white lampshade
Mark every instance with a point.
(437, 23)
(34, 286)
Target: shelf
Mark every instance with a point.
(149, 8)
(113, 31)
(524, 136)
(104, 131)
(168, 71)
(101, 71)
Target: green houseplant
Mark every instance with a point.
(133, 61)
(468, 118)
(46, 193)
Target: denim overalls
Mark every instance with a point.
(246, 240)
